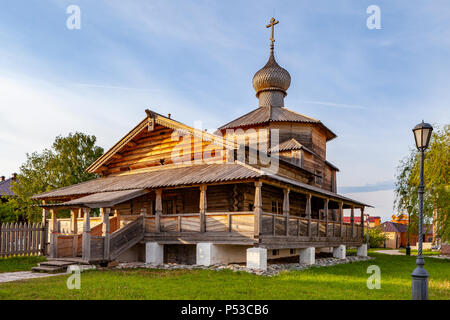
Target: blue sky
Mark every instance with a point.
(196, 59)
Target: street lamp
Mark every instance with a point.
(422, 135)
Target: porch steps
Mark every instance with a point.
(56, 265)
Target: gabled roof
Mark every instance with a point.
(288, 145)
(264, 115)
(389, 226)
(152, 119)
(5, 188)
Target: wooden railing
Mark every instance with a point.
(22, 239)
(238, 222)
(243, 222)
(278, 225)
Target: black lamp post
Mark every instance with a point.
(422, 135)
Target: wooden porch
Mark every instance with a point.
(300, 219)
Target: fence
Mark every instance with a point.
(22, 239)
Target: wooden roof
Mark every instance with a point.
(288, 145)
(263, 115)
(105, 199)
(174, 176)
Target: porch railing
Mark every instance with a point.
(244, 222)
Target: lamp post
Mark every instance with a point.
(408, 246)
(422, 135)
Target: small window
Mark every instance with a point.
(319, 177)
(275, 252)
(250, 207)
(292, 251)
(276, 207)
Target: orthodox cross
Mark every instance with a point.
(272, 23)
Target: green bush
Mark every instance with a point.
(376, 237)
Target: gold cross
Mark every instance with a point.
(272, 23)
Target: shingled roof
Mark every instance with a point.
(288, 145)
(5, 187)
(264, 115)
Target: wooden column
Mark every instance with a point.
(80, 213)
(158, 210)
(362, 223)
(86, 245)
(341, 218)
(203, 206)
(325, 211)
(117, 215)
(105, 230)
(258, 208)
(308, 213)
(286, 208)
(44, 237)
(352, 220)
(73, 221)
(53, 234)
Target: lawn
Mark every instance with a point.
(19, 263)
(424, 252)
(346, 281)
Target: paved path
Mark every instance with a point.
(391, 252)
(24, 275)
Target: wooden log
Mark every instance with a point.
(308, 214)
(258, 209)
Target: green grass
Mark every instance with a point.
(346, 281)
(19, 263)
(424, 252)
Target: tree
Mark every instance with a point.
(436, 199)
(376, 237)
(62, 165)
(7, 212)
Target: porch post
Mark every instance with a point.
(286, 208)
(53, 234)
(86, 245)
(73, 221)
(341, 218)
(258, 208)
(352, 219)
(105, 230)
(158, 210)
(80, 212)
(362, 223)
(44, 238)
(325, 211)
(308, 213)
(203, 206)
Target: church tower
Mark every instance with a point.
(299, 139)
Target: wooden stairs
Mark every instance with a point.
(57, 265)
(99, 249)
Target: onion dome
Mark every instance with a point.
(271, 77)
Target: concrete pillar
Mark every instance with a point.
(257, 258)
(154, 253)
(362, 251)
(308, 256)
(339, 252)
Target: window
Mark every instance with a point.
(292, 251)
(250, 207)
(319, 177)
(275, 252)
(276, 207)
(168, 206)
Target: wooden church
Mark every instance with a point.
(258, 188)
